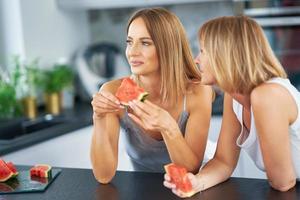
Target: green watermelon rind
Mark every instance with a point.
(142, 97)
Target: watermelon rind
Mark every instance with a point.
(142, 97)
(5, 172)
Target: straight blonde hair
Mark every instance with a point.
(239, 53)
(177, 67)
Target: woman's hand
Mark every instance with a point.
(151, 117)
(105, 102)
(197, 186)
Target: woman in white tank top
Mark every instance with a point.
(261, 107)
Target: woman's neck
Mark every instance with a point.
(242, 99)
(152, 85)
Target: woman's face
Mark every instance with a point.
(201, 60)
(141, 51)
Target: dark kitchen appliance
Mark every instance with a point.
(97, 64)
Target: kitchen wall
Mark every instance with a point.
(11, 36)
(44, 30)
(110, 25)
(2, 57)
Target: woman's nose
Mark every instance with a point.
(133, 50)
(197, 59)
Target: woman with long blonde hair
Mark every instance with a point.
(172, 124)
(261, 107)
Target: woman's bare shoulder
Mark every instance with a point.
(199, 95)
(197, 90)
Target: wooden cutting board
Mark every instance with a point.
(24, 183)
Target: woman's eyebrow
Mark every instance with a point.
(145, 38)
(141, 38)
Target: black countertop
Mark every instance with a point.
(80, 184)
(76, 118)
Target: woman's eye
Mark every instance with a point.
(146, 43)
(129, 42)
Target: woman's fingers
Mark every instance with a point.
(178, 193)
(167, 177)
(136, 120)
(138, 110)
(112, 98)
(106, 101)
(167, 183)
(151, 105)
(96, 103)
(141, 107)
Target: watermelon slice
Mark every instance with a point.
(41, 170)
(5, 172)
(129, 91)
(12, 167)
(179, 178)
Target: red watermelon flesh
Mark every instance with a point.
(178, 177)
(129, 91)
(41, 170)
(5, 172)
(12, 167)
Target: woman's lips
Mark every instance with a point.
(136, 63)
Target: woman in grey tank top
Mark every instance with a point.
(172, 124)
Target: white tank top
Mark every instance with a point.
(249, 141)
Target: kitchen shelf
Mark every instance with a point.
(106, 4)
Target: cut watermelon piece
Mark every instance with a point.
(41, 170)
(5, 172)
(12, 167)
(39, 179)
(178, 177)
(129, 91)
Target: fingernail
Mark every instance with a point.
(117, 102)
(130, 103)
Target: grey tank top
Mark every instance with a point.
(146, 153)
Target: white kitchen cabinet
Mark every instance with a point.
(103, 4)
(69, 150)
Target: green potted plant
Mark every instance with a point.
(9, 105)
(26, 79)
(33, 79)
(55, 80)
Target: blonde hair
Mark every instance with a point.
(177, 67)
(239, 53)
